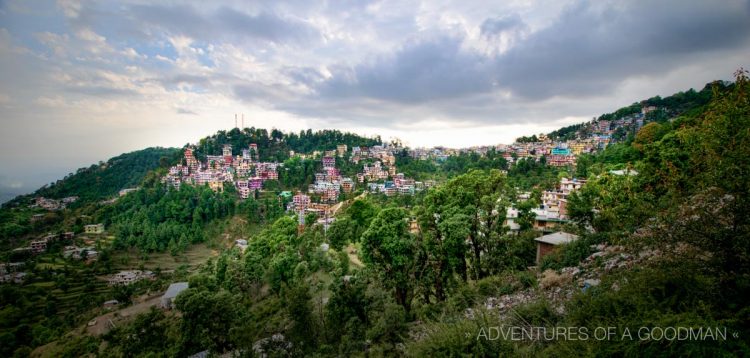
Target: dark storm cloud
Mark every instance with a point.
(497, 25)
(420, 71)
(224, 23)
(590, 50)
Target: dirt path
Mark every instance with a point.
(351, 251)
(337, 206)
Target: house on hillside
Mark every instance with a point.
(547, 243)
(94, 229)
(167, 301)
(128, 277)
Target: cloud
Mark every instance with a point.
(225, 23)
(186, 111)
(495, 26)
(420, 71)
(595, 45)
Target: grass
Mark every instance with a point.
(133, 259)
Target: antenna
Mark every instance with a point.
(243, 121)
(235, 120)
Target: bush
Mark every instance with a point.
(460, 339)
(570, 254)
(550, 278)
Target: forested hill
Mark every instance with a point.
(667, 107)
(105, 179)
(275, 145)
(127, 170)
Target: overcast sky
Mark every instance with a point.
(82, 81)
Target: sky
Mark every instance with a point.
(82, 81)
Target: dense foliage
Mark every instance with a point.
(105, 179)
(275, 146)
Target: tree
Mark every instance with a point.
(391, 250)
(297, 302)
(207, 319)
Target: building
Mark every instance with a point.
(329, 162)
(167, 301)
(226, 152)
(547, 243)
(347, 185)
(341, 150)
(570, 185)
(301, 202)
(128, 277)
(241, 244)
(94, 229)
(39, 246)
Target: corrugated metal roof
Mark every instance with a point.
(557, 238)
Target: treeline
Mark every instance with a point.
(157, 219)
(154, 219)
(275, 145)
(452, 166)
(566, 133)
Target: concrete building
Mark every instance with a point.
(341, 150)
(167, 301)
(39, 246)
(547, 243)
(94, 229)
(128, 277)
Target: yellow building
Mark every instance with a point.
(577, 148)
(216, 186)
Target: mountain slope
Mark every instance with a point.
(106, 178)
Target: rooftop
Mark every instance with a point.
(557, 238)
(175, 288)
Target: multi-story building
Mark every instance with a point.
(94, 228)
(227, 154)
(300, 202)
(561, 160)
(38, 246)
(347, 185)
(129, 277)
(341, 150)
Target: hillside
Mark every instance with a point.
(662, 110)
(660, 222)
(105, 179)
(276, 145)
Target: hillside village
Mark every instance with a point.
(378, 175)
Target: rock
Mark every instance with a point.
(573, 271)
(591, 282)
(595, 255)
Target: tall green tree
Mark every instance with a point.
(391, 250)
